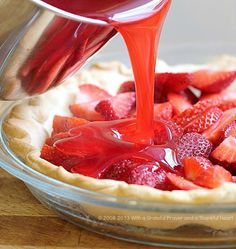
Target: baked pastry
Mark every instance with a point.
(29, 124)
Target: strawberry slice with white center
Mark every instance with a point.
(181, 183)
(209, 81)
(215, 132)
(86, 111)
(179, 102)
(202, 172)
(86, 101)
(116, 107)
(204, 121)
(89, 93)
(225, 153)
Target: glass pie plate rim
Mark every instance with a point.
(19, 169)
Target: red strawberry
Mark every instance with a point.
(89, 93)
(230, 130)
(225, 153)
(174, 82)
(149, 174)
(54, 156)
(204, 121)
(176, 130)
(180, 183)
(193, 112)
(202, 172)
(224, 102)
(137, 171)
(87, 99)
(86, 111)
(177, 82)
(210, 81)
(162, 133)
(215, 132)
(128, 86)
(193, 144)
(163, 111)
(120, 170)
(179, 102)
(82, 145)
(63, 124)
(55, 137)
(116, 107)
(194, 165)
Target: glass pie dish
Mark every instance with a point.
(152, 223)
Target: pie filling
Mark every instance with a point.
(191, 145)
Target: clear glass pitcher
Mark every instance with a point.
(40, 46)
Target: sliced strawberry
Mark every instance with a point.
(202, 172)
(55, 137)
(128, 86)
(164, 83)
(210, 81)
(162, 133)
(224, 102)
(84, 145)
(88, 97)
(225, 153)
(54, 156)
(149, 174)
(197, 165)
(163, 111)
(193, 112)
(116, 107)
(191, 97)
(215, 132)
(137, 171)
(234, 179)
(230, 130)
(120, 170)
(204, 121)
(193, 144)
(176, 130)
(63, 124)
(86, 111)
(179, 102)
(89, 93)
(174, 82)
(181, 183)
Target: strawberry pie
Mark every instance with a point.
(85, 133)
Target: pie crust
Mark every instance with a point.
(29, 124)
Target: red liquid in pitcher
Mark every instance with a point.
(100, 143)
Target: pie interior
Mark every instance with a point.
(29, 124)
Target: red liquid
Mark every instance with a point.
(141, 32)
(100, 144)
(64, 47)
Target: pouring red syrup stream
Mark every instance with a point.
(141, 30)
